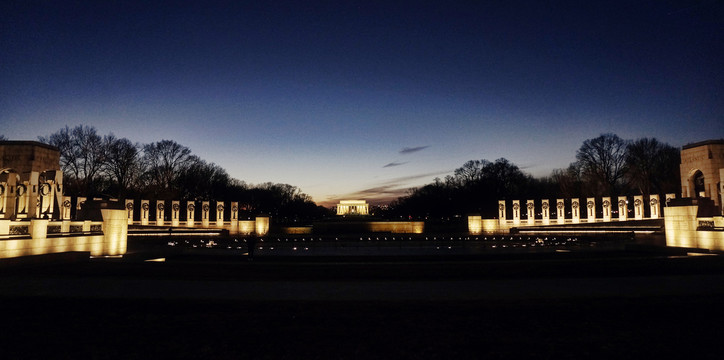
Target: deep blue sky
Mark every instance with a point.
(328, 95)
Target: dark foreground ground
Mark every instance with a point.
(567, 307)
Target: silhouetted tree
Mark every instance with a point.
(164, 160)
(123, 163)
(602, 162)
(653, 167)
(82, 157)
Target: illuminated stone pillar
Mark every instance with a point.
(46, 197)
(8, 196)
(190, 214)
(654, 204)
(145, 208)
(516, 212)
(129, 211)
(205, 209)
(246, 227)
(234, 218)
(545, 212)
(622, 208)
(33, 190)
(160, 212)
(530, 205)
(65, 209)
(475, 224)
(175, 213)
(262, 225)
(606, 207)
(219, 214)
(21, 196)
(591, 210)
(38, 228)
(80, 201)
(669, 197)
(575, 211)
(115, 233)
(502, 216)
(639, 207)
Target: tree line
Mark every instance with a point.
(109, 166)
(605, 166)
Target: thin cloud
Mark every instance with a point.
(411, 150)
(388, 190)
(395, 164)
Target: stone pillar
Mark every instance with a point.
(205, 210)
(591, 210)
(80, 201)
(530, 205)
(545, 212)
(190, 213)
(65, 209)
(115, 233)
(219, 214)
(622, 208)
(560, 211)
(9, 196)
(38, 228)
(175, 213)
(606, 207)
(262, 225)
(234, 218)
(46, 197)
(669, 197)
(502, 216)
(129, 211)
(575, 211)
(639, 207)
(475, 224)
(4, 226)
(516, 212)
(32, 194)
(654, 206)
(145, 208)
(160, 212)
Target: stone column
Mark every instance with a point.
(575, 211)
(561, 211)
(115, 233)
(175, 213)
(639, 207)
(606, 206)
(32, 195)
(502, 216)
(160, 212)
(46, 197)
(530, 206)
(9, 196)
(545, 212)
(475, 224)
(219, 214)
(622, 208)
(234, 218)
(190, 213)
(655, 206)
(591, 210)
(80, 201)
(516, 212)
(205, 210)
(65, 210)
(145, 208)
(669, 197)
(262, 225)
(129, 211)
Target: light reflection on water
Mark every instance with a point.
(396, 245)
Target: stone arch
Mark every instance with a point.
(696, 184)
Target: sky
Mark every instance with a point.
(364, 99)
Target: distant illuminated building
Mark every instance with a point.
(353, 207)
